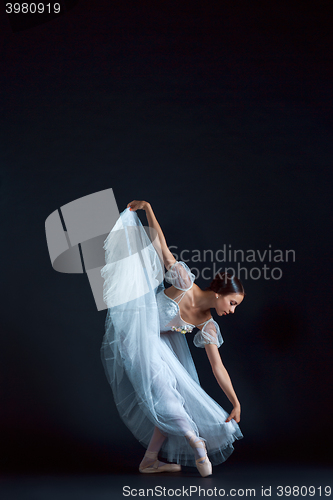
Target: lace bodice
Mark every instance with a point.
(180, 276)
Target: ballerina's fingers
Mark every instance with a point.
(136, 205)
(235, 414)
(131, 205)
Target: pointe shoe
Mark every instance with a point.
(155, 467)
(203, 464)
(205, 468)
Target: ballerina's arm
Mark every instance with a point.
(223, 380)
(134, 205)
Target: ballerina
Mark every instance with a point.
(146, 356)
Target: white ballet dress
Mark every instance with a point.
(145, 353)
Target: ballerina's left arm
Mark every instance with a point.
(134, 205)
(223, 379)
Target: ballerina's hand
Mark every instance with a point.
(235, 414)
(137, 205)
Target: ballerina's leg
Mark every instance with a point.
(154, 447)
(175, 414)
(156, 441)
(193, 440)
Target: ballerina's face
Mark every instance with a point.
(227, 304)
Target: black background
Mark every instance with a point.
(220, 115)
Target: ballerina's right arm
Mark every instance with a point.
(224, 381)
(134, 205)
(210, 338)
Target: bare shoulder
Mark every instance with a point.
(172, 292)
(196, 291)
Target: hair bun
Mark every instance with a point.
(225, 284)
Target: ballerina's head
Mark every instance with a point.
(229, 293)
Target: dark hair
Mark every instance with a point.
(225, 284)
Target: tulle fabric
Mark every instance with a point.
(152, 374)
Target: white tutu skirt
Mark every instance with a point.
(152, 374)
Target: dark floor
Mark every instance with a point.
(236, 481)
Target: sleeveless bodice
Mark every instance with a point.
(180, 276)
(169, 314)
